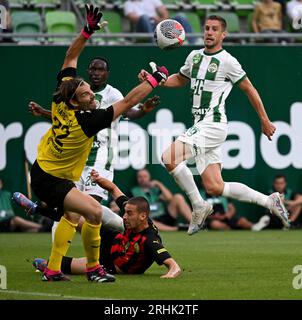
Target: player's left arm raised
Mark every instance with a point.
(267, 126)
(93, 17)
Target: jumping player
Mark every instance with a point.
(213, 72)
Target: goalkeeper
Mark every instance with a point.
(63, 151)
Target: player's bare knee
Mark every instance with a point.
(167, 161)
(214, 189)
(94, 212)
(96, 215)
(165, 157)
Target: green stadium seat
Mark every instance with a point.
(114, 21)
(14, 3)
(250, 22)
(241, 11)
(204, 6)
(251, 2)
(26, 22)
(170, 1)
(114, 25)
(194, 21)
(206, 2)
(54, 2)
(192, 17)
(61, 22)
(231, 19)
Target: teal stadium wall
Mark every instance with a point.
(29, 73)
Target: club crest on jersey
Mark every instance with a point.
(212, 68)
(196, 58)
(136, 247)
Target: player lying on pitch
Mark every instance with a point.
(131, 252)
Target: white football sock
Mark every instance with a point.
(262, 223)
(112, 221)
(184, 178)
(243, 193)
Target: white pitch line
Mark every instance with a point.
(41, 294)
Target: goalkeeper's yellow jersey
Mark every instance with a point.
(64, 149)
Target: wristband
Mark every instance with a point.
(153, 82)
(85, 34)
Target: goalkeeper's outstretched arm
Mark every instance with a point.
(93, 17)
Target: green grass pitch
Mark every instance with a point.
(216, 265)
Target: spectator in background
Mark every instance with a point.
(295, 209)
(8, 23)
(291, 199)
(224, 216)
(165, 207)
(267, 18)
(8, 221)
(144, 15)
(294, 12)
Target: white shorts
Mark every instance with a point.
(87, 186)
(205, 140)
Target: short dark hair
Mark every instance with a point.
(222, 21)
(279, 176)
(100, 59)
(141, 203)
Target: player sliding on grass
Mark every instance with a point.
(64, 149)
(212, 72)
(131, 252)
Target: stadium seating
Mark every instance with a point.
(26, 22)
(249, 22)
(114, 25)
(243, 2)
(243, 7)
(194, 21)
(115, 21)
(44, 17)
(60, 22)
(231, 19)
(206, 2)
(28, 3)
(170, 1)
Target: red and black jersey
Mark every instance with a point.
(134, 253)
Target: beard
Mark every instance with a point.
(211, 45)
(88, 106)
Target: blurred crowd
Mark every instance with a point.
(171, 211)
(142, 16)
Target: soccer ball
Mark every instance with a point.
(169, 34)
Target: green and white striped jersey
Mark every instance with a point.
(212, 78)
(104, 146)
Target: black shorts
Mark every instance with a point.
(232, 223)
(49, 189)
(166, 219)
(107, 237)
